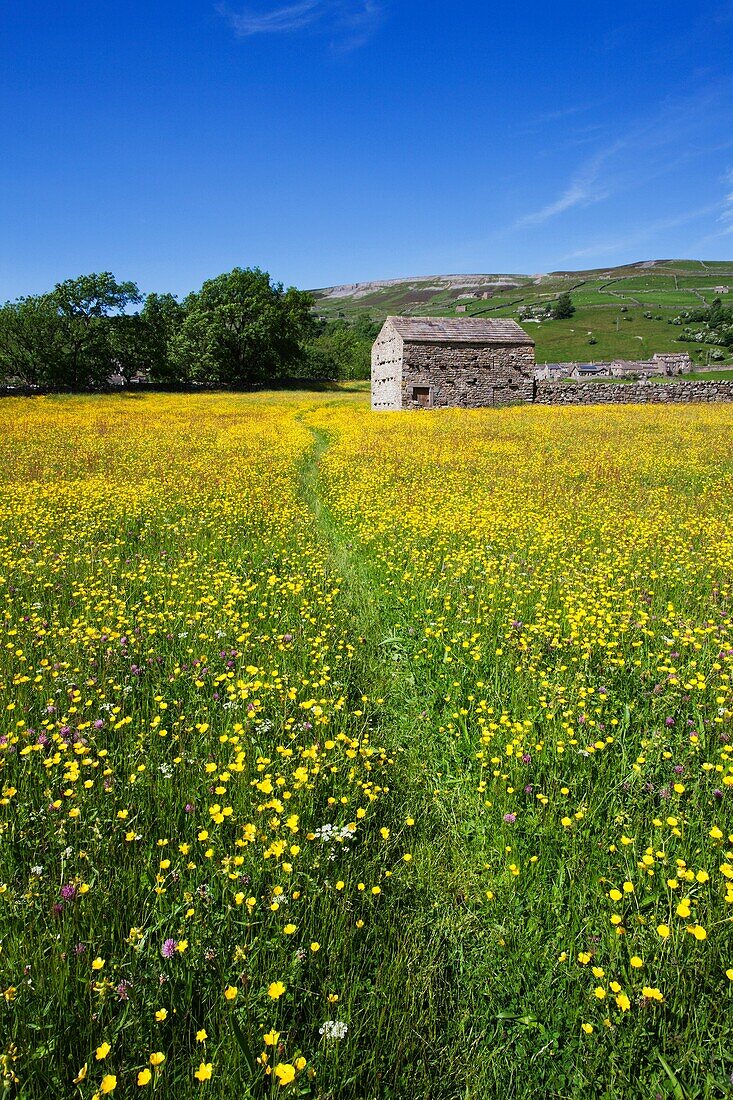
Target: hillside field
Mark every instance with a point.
(354, 756)
(610, 305)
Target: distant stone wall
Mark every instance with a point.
(631, 393)
(467, 376)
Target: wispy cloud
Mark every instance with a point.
(543, 119)
(349, 23)
(725, 211)
(659, 143)
(358, 25)
(292, 17)
(726, 214)
(642, 235)
(585, 187)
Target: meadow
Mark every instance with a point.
(351, 756)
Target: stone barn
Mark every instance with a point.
(436, 362)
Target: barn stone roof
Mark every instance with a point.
(466, 330)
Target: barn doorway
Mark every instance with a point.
(421, 396)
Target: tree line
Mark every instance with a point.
(239, 329)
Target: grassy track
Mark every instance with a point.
(414, 981)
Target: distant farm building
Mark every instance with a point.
(661, 364)
(553, 372)
(434, 362)
(590, 370)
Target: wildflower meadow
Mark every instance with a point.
(347, 755)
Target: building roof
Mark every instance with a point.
(467, 330)
(637, 364)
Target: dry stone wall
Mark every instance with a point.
(464, 375)
(632, 393)
(386, 371)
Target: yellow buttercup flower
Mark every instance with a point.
(285, 1073)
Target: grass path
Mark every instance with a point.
(451, 1022)
(420, 983)
(345, 563)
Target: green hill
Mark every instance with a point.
(627, 311)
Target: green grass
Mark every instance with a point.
(638, 338)
(663, 290)
(712, 375)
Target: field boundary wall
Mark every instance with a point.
(287, 383)
(631, 393)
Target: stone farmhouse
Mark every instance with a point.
(661, 363)
(435, 362)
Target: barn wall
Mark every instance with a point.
(468, 375)
(387, 371)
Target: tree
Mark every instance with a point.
(365, 328)
(241, 328)
(341, 348)
(128, 345)
(340, 353)
(84, 306)
(30, 342)
(716, 313)
(563, 307)
(161, 316)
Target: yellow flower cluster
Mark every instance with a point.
(300, 705)
(185, 763)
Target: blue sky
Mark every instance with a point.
(332, 141)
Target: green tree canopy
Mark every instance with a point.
(30, 342)
(241, 328)
(161, 318)
(84, 306)
(563, 307)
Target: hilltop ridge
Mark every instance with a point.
(628, 311)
